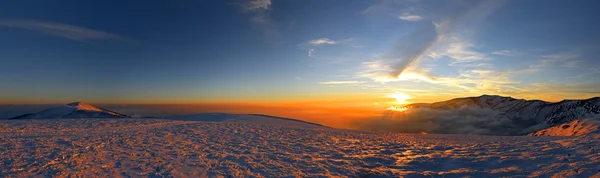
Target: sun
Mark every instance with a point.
(400, 97)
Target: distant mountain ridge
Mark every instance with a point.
(540, 112)
(245, 118)
(73, 111)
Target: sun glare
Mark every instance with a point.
(396, 108)
(400, 97)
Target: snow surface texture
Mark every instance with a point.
(73, 110)
(165, 148)
(573, 128)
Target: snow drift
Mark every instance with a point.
(574, 128)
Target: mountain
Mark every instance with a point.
(530, 112)
(574, 128)
(73, 110)
(246, 118)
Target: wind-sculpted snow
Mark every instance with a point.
(573, 128)
(173, 148)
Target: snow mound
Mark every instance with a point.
(249, 118)
(574, 128)
(73, 110)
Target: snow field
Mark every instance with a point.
(167, 148)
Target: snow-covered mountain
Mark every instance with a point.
(248, 118)
(73, 110)
(574, 128)
(525, 111)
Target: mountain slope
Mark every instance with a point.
(73, 110)
(574, 128)
(540, 112)
(250, 118)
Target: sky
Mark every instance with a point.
(333, 54)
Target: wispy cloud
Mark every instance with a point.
(563, 59)
(503, 53)
(409, 17)
(259, 4)
(323, 41)
(462, 52)
(443, 38)
(346, 82)
(313, 44)
(260, 11)
(310, 52)
(71, 32)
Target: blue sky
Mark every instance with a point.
(277, 50)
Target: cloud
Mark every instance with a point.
(503, 53)
(323, 41)
(564, 59)
(313, 44)
(310, 52)
(464, 120)
(259, 4)
(461, 52)
(67, 31)
(341, 82)
(443, 38)
(260, 11)
(410, 17)
(471, 81)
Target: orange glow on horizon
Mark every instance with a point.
(396, 108)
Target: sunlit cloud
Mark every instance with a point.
(468, 82)
(345, 82)
(323, 41)
(462, 52)
(67, 31)
(446, 38)
(443, 38)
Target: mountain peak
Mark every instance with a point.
(83, 106)
(493, 96)
(73, 110)
(75, 103)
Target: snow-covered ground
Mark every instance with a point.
(165, 148)
(574, 128)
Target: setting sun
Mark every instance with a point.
(400, 97)
(396, 108)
